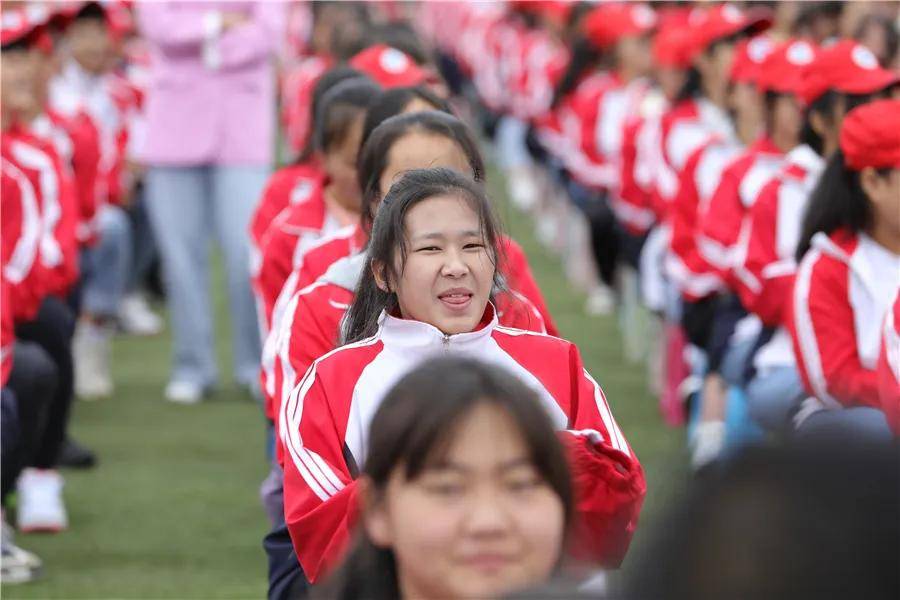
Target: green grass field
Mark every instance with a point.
(172, 510)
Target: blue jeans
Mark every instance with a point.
(772, 397)
(106, 266)
(859, 423)
(187, 206)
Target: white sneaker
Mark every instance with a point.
(40, 501)
(184, 392)
(601, 301)
(137, 318)
(707, 443)
(18, 565)
(90, 353)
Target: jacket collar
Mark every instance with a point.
(843, 245)
(416, 335)
(807, 159)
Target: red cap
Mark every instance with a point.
(723, 21)
(870, 135)
(389, 67)
(748, 57)
(784, 69)
(847, 67)
(21, 23)
(672, 48)
(608, 23)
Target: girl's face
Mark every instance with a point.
(884, 194)
(449, 270)
(477, 524)
(422, 150)
(748, 107)
(339, 162)
(787, 118)
(714, 66)
(633, 55)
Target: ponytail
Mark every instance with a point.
(585, 57)
(837, 202)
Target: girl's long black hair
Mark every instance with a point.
(394, 101)
(375, 152)
(414, 428)
(388, 242)
(328, 81)
(837, 202)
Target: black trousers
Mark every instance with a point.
(33, 382)
(286, 578)
(52, 330)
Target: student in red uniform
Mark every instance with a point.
(842, 76)
(849, 276)
(311, 327)
(329, 248)
(429, 274)
(467, 490)
(44, 279)
(318, 206)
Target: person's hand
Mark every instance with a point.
(232, 19)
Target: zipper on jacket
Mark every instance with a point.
(445, 339)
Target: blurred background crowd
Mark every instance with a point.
(720, 180)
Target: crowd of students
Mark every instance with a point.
(736, 170)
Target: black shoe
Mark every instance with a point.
(73, 455)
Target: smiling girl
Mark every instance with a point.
(429, 273)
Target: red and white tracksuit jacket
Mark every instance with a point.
(310, 324)
(85, 162)
(698, 180)
(640, 157)
(303, 220)
(889, 367)
(110, 102)
(845, 286)
(21, 237)
(38, 160)
(764, 263)
(720, 226)
(325, 420)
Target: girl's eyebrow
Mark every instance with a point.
(438, 235)
(507, 465)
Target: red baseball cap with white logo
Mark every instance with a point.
(870, 135)
(847, 67)
(722, 21)
(21, 23)
(784, 69)
(608, 23)
(389, 67)
(748, 58)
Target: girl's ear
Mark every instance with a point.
(375, 521)
(378, 272)
(871, 183)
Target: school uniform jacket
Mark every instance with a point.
(293, 231)
(764, 259)
(739, 186)
(324, 429)
(889, 367)
(38, 159)
(699, 178)
(845, 286)
(21, 235)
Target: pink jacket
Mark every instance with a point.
(211, 99)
